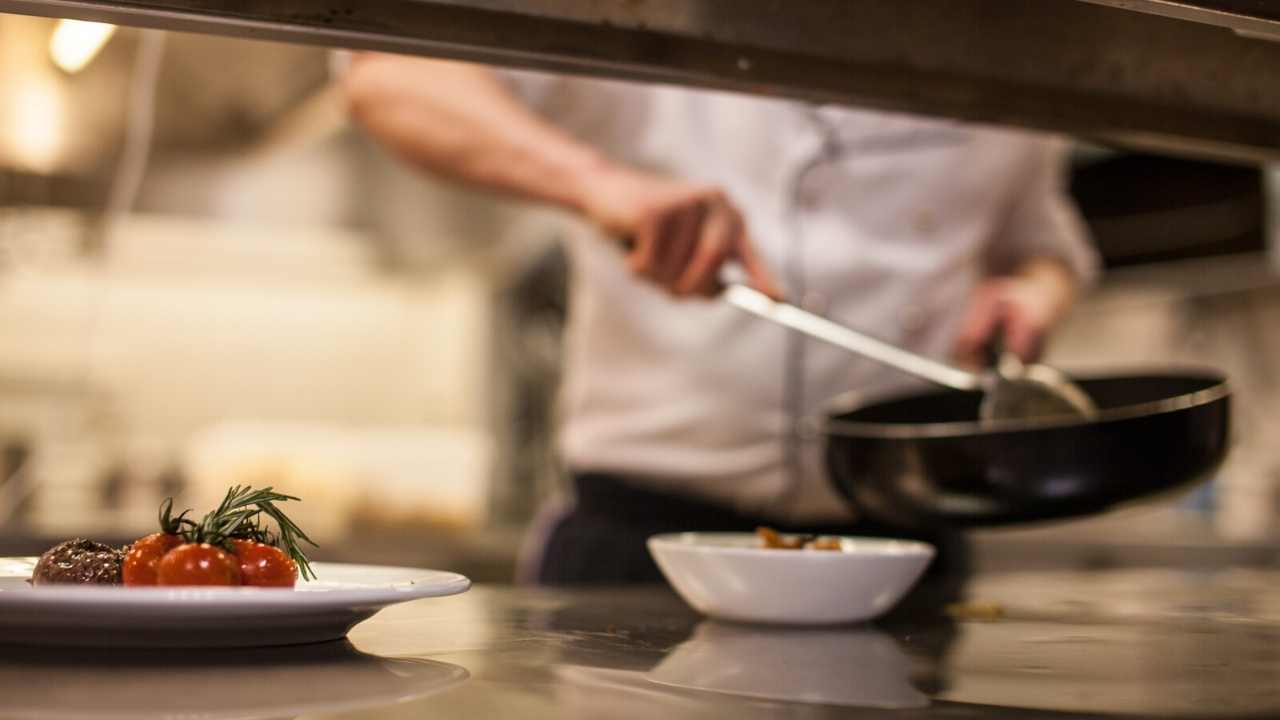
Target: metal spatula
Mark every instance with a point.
(1014, 389)
(1011, 390)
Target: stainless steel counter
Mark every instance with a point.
(1145, 643)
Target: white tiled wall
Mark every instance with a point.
(189, 337)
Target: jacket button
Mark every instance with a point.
(926, 222)
(809, 196)
(815, 302)
(914, 318)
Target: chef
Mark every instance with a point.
(680, 412)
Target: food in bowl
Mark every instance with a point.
(232, 545)
(771, 538)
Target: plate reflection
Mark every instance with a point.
(284, 682)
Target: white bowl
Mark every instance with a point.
(728, 576)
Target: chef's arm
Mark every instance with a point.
(461, 122)
(1039, 258)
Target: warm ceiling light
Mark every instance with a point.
(75, 43)
(31, 117)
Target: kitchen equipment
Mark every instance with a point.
(1194, 76)
(118, 616)
(1015, 389)
(924, 460)
(1011, 391)
(730, 577)
(312, 680)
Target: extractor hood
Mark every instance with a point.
(1195, 76)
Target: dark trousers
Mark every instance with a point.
(602, 541)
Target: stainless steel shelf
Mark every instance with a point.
(1146, 73)
(1251, 18)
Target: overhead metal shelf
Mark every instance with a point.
(1197, 77)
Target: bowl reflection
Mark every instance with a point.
(76, 684)
(854, 666)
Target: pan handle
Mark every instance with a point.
(996, 355)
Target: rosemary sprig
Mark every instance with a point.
(239, 517)
(173, 525)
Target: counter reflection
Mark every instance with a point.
(858, 666)
(259, 684)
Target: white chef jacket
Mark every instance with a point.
(881, 222)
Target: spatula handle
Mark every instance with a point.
(757, 303)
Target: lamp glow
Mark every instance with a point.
(76, 42)
(31, 123)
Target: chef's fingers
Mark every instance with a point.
(1022, 335)
(758, 276)
(676, 248)
(644, 244)
(979, 325)
(701, 274)
(735, 228)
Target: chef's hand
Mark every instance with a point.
(1027, 304)
(679, 233)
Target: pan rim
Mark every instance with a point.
(831, 427)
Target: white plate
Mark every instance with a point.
(323, 609)
(729, 576)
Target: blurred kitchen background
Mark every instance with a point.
(207, 276)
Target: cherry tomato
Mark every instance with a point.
(202, 564)
(144, 556)
(263, 565)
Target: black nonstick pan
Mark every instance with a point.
(924, 459)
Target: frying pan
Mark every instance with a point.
(924, 460)
(940, 459)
